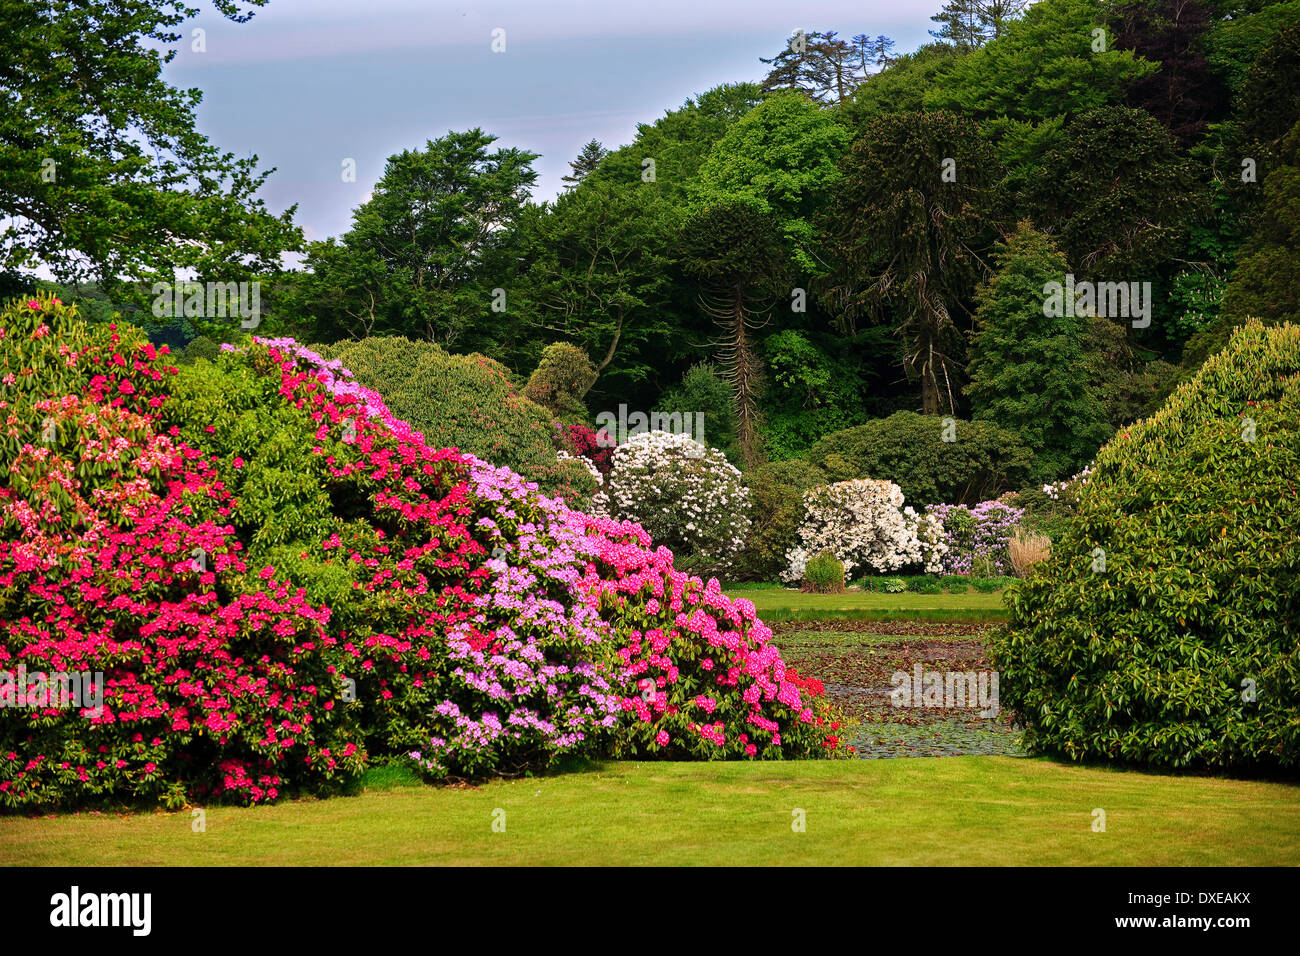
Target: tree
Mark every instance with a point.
(911, 213)
(1043, 66)
(1185, 95)
(1026, 368)
(1266, 282)
(586, 162)
(1270, 98)
(678, 142)
(1119, 190)
(597, 275)
(823, 67)
(736, 251)
(902, 86)
(410, 262)
(783, 156)
(102, 173)
(969, 24)
(960, 24)
(705, 391)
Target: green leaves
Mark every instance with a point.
(102, 173)
(1145, 660)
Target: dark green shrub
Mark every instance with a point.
(955, 583)
(925, 585)
(824, 574)
(561, 379)
(989, 585)
(776, 496)
(909, 449)
(704, 391)
(201, 347)
(465, 402)
(1179, 650)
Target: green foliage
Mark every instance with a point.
(1182, 652)
(913, 206)
(901, 88)
(782, 156)
(412, 262)
(1266, 283)
(1269, 105)
(776, 505)
(824, 574)
(1059, 419)
(1108, 159)
(1124, 386)
(926, 584)
(201, 347)
(597, 272)
(560, 381)
(134, 192)
(704, 391)
(465, 402)
(908, 449)
(1233, 45)
(679, 141)
(734, 248)
(814, 388)
(1044, 66)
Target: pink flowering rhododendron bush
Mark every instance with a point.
(269, 582)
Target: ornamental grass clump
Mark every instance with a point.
(1163, 628)
(1026, 549)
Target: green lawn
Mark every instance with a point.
(787, 605)
(957, 810)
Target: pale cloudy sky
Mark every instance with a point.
(308, 83)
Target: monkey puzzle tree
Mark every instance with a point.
(913, 208)
(737, 252)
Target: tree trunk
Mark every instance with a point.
(746, 379)
(929, 393)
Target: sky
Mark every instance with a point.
(308, 84)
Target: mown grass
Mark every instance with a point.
(789, 605)
(960, 810)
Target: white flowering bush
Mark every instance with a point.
(929, 530)
(864, 524)
(1068, 490)
(585, 462)
(686, 495)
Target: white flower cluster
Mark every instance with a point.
(1068, 489)
(864, 524)
(687, 496)
(930, 532)
(585, 462)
